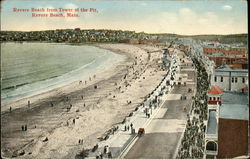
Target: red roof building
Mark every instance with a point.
(215, 90)
(214, 95)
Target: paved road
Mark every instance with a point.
(165, 130)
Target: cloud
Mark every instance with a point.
(71, 19)
(71, 6)
(187, 16)
(227, 7)
(143, 4)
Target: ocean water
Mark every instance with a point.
(28, 68)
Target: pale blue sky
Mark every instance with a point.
(180, 17)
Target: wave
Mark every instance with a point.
(99, 64)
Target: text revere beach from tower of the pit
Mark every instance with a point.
(55, 12)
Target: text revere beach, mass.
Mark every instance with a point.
(55, 12)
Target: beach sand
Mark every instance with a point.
(94, 110)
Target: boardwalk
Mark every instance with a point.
(164, 132)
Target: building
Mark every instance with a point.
(214, 95)
(227, 125)
(211, 138)
(130, 41)
(234, 62)
(148, 41)
(229, 79)
(233, 125)
(238, 51)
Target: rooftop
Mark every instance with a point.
(215, 90)
(226, 68)
(229, 97)
(212, 123)
(216, 54)
(234, 106)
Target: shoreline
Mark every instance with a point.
(105, 106)
(38, 94)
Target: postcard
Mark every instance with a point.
(132, 79)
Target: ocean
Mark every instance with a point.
(28, 68)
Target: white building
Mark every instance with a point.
(230, 79)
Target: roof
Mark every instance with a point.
(229, 97)
(234, 106)
(225, 68)
(215, 90)
(212, 123)
(234, 73)
(234, 111)
(216, 54)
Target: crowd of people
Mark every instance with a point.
(192, 143)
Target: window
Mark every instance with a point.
(232, 79)
(210, 98)
(214, 98)
(221, 79)
(218, 98)
(236, 79)
(243, 80)
(215, 79)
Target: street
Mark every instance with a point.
(165, 130)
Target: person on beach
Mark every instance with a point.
(28, 103)
(74, 121)
(10, 109)
(25, 128)
(80, 142)
(131, 125)
(22, 128)
(105, 149)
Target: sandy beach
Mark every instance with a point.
(80, 110)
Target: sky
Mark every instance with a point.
(186, 17)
